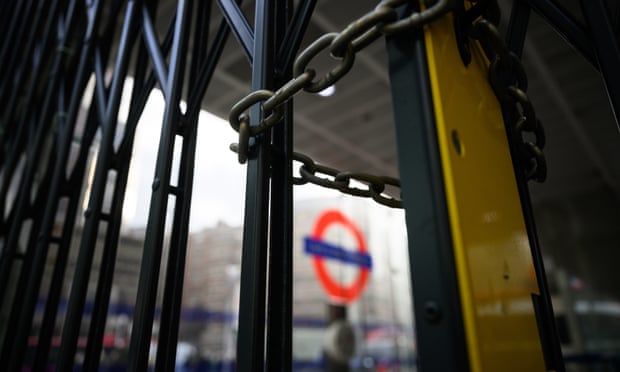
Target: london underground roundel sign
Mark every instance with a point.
(322, 250)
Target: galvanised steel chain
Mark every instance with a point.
(509, 82)
(343, 46)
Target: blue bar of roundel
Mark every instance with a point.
(323, 249)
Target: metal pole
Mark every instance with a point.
(42, 234)
(517, 26)
(605, 41)
(280, 296)
(142, 86)
(94, 215)
(439, 325)
(153, 244)
(28, 286)
(68, 187)
(515, 36)
(251, 336)
(14, 130)
(26, 31)
(122, 161)
(567, 26)
(173, 288)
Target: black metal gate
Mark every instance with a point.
(49, 52)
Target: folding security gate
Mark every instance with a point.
(461, 114)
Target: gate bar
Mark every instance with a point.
(439, 324)
(26, 295)
(251, 336)
(280, 282)
(153, 244)
(239, 25)
(79, 287)
(42, 236)
(567, 26)
(607, 50)
(515, 36)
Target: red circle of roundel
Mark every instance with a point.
(337, 292)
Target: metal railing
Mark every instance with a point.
(50, 50)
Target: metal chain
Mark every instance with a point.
(310, 171)
(383, 20)
(506, 75)
(509, 82)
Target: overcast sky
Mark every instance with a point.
(219, 180)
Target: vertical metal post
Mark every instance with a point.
(13, 135)
(153, 244)
(79, 287)
(439, 325)
(28, 285)
(23, 33)
(567, 26)
(280, 296)
(19, 30)
(41, 235)
(122, 161)
(69, 187)
(517, 26)
(173, 284)
(515, 40)
(18, 80)
(251, 336)
(605, 41)
(10, 19)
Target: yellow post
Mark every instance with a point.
(493, 262)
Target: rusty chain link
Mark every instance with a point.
(508, 80)
(383, 20)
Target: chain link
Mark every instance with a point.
(331, 178)
(343, 46)
(321, 175)
(508, 80)
(383, 20)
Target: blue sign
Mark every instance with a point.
(322, 249)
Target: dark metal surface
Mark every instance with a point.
(162, 188)
(94, 214)
(439, 326)
(605, 42)
(294, 34)
(25, 208)
(251, 336)
(545, 317)
(517, 27)
(50, 49)
(509, 82)
(279, 348)
(239, 24)
(567, 26)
